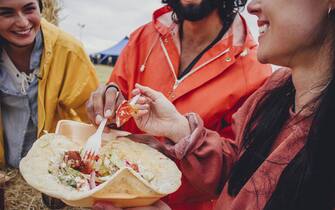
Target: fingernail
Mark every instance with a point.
(108, 113)
(98, 119)
(135, 91)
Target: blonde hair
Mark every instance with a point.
(51, 10)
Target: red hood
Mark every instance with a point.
(162, 19)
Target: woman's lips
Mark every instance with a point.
(23, 32)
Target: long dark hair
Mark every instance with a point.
(308, 181)
(227, 9)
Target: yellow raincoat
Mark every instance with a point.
(66, 80)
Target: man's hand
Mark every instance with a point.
(160, 205)
(103, 103)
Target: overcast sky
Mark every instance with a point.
(101, 23)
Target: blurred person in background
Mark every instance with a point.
(200, 54)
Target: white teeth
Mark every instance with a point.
(23, 32)
(263, 28)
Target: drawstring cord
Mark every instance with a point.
(142, 68)
(21, 79)
(26, 80)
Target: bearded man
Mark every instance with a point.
(201, 55)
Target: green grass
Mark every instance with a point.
(103, 72)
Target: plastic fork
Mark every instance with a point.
(134, 99)
(92, 146)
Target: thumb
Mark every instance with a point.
(161, 205)
(150, 93)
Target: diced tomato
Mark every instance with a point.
(73, 159)
(96, 158)
(73, 155)
(86, 167)
(134, 166)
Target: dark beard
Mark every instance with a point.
(193, 12)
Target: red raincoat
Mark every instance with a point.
(215, 88)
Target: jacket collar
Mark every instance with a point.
(50, 36)
(35, 58)
(162, 19)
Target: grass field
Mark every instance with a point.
(103, 72)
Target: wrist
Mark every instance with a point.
(180, 130)
(112, 85)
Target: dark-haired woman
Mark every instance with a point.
(45, 76)
(191, 51)
(282, 157)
